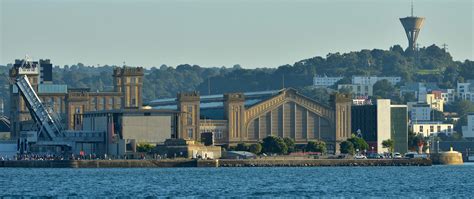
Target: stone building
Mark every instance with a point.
(250, 117)
(69, 103)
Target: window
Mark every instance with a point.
(218, 134)
(431, 129)
(190, 133)
(421, 128)
(449, 129)
(94, 104)
(439, 128)
(189, 115)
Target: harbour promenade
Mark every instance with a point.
(211, 163)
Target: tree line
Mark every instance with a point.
(429, 64)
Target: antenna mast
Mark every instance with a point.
(412, 8)
(445, 47)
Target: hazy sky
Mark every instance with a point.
(221, 32)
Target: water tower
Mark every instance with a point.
(412, 25)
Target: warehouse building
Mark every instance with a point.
(249, 117)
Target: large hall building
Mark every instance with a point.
(250, 117)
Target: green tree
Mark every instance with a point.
(255, 148)
(358, 143)
(411, 141)
(388, 144)
(437, 115)
(316, 146)
(290, 144)
(383, 89)
(319, 94)
(408, 97)
(463, 107)
(345, 90)
(414, 140)
(145, 148)
(242, 147)
(347, 147)
(273, 144)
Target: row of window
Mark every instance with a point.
(421, 128)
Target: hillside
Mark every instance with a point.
(429, 64)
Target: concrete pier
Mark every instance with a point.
(450, 157)
(211, 163)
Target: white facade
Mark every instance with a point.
(448, 96)
(384, 125)
(358, 89)
(361, 101)
(464, 91)
(431, 128)
(371, 80)
(325, 81)
(420, 112)
(468, 131)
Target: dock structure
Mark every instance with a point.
(212, 163)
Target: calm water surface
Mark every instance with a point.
(435, 181)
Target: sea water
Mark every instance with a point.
(434, 181)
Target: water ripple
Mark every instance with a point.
(436, 181)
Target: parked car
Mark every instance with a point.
(410, 155)
(360, 156)
(396, 155)
(374, 156)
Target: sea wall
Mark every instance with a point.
(211, 163)
(323, 162)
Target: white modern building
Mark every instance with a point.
(431, 128)
(371, 80)
(379, 122)
(324, 81)
(468, 131)
(448, 95)
(419, 112)
(465, 91)
(358, 89)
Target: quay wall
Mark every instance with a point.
(323, 162)
(211, 163)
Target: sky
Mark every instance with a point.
(215, 33)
